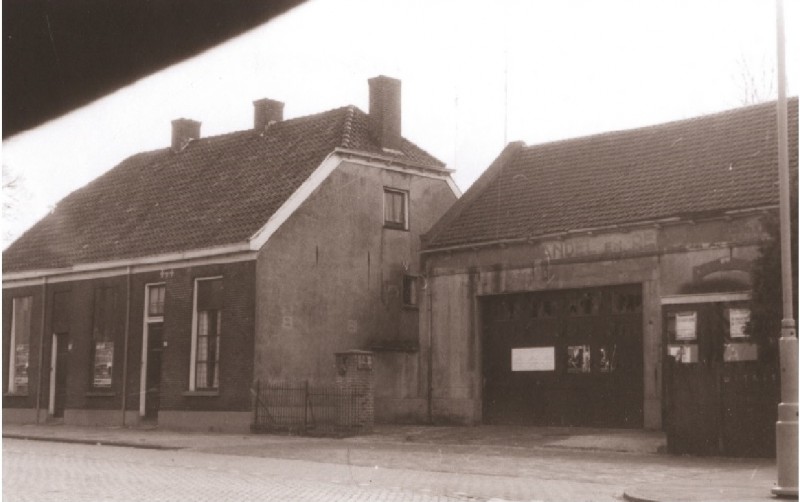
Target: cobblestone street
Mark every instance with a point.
(230, 467)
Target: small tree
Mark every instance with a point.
(767, 305)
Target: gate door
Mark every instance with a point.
(567, 357)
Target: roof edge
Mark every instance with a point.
(233, 251)
(669, 220)
(392, 160)
(493, 171)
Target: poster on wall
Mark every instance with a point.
(533, 359)
(608, 358)
(103, 359)
(579, 359)
(21, 365)
(738, 320)
(684, 353)
(686, 326)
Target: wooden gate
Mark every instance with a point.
(716, 401)
(566, 357)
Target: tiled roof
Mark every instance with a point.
(703, 165)
(217, 191)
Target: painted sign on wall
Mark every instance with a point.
(616, 243)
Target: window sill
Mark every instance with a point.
(101, 393)
(408, 306)
(396, 227)
(15, 394)
(201, 393)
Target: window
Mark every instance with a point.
(395, 209)
(155, 300)
(206, 334)
(410, 291)
(105, 331)
(19, 348)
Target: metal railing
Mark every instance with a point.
(299, 408)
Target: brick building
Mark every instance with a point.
(566, 276)
(161, 290)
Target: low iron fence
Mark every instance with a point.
(300, 408)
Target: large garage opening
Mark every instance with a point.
(564, 357)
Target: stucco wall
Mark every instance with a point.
(330, 279)
(664, 260)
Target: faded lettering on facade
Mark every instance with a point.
(576, 247)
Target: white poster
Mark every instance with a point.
(686, 326)
(739, 319)
(533, 359)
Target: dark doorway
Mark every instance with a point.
(566, 357)
(61, 341)
(155, 346)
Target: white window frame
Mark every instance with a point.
(406, 198)
(193, 358)
(12, 349)
(147, 320)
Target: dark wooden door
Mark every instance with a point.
(593, 340)
(155, 347)
(61, 362)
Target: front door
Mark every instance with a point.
(59, 373)
(155, 346)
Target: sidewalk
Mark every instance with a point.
(556, 457)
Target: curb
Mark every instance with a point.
(96, 442)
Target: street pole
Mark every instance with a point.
(786, 427)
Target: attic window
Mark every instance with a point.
(395, 209)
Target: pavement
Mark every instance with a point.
(518, 463)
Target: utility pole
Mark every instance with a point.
(786, 427)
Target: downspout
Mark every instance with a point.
(429, 279)
(125, 349)
(41, 348)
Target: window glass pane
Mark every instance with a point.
(409, 290)
(394, 208)
(209, 324)
(156, 303)
(20, 350)
(103, 362)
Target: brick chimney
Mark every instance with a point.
(183, 131)
(384, 110)
(266, 111)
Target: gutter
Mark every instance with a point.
(41, 348)
(346, 152)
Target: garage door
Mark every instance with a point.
(566, 357)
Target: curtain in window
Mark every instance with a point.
(107, 324)
(207, 366)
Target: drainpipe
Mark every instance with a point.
(430, 344)
(125, 349)
(41, 348)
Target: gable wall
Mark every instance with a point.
(330, 279)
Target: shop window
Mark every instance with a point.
(104, 332)
(410, 291)
(206, 334)
(395, 209)
(626, 303)
(19, 347)
(585, 303)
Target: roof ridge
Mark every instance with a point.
(663, 125)
(347, 129)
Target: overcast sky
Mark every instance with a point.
(474, 76)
